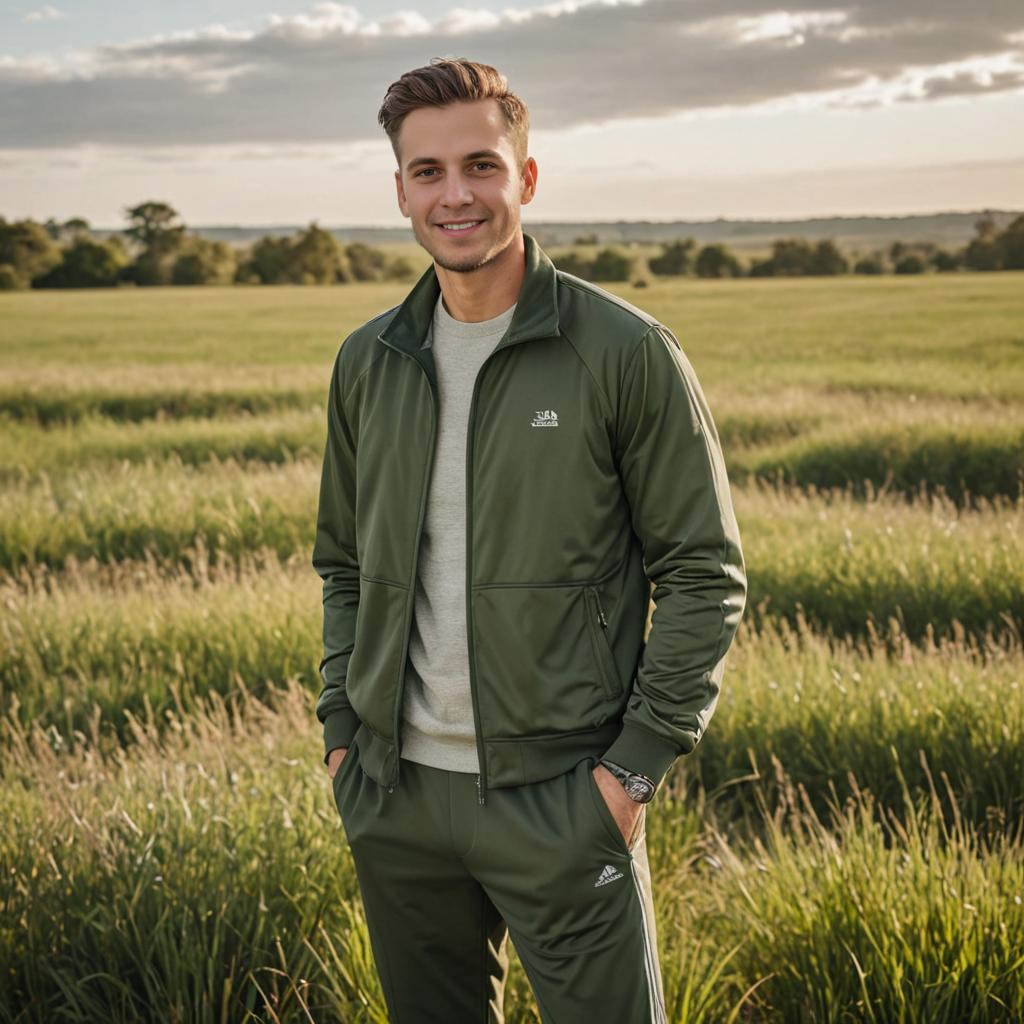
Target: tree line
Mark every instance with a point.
(156, 249)
(990, 249)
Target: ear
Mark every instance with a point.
(529, 183)
(403, 203)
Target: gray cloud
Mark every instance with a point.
(320, 77)
(47, 13)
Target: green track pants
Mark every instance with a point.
(446, 880)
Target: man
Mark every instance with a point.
(512, 456)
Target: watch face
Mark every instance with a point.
(639, 790)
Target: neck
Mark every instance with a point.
(484, 293)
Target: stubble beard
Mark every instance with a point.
(468, 264)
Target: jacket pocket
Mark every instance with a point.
(603, 654)
(373, 669)
(534, 660)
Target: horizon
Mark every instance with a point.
(977, 211)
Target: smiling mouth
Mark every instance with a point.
(459, 227)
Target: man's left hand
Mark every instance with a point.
(625, 810)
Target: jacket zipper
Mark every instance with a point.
(481, 779)
(399, 697)
(610, 682)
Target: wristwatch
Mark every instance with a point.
(638, 787)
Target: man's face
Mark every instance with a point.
(458, 167)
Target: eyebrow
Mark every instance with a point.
(479, 154)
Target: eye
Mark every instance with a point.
(426, 170)
(484, 163)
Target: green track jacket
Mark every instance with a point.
(593, 467)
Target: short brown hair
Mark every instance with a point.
(451, 80)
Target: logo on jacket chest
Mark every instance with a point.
(545, 418)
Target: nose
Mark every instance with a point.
(456, 191)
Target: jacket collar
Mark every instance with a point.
(536, 314)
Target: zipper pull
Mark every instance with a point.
(479, 791)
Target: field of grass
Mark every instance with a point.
(845, 843)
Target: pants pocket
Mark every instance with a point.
(605, 815)
(342, 773)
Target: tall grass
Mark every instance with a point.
(839, 561)
(843, 845)
(28, 453)
(959, 448)
(842, 715)
(201, 875)
(160, 509)
(870, 913)
(845, 564)
(94, 649)
(51, 394)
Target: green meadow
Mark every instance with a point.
(844, 845)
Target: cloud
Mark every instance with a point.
(319, 76)
(44, 14)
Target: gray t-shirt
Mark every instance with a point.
(438, 707)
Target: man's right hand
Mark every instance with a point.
(334, 759)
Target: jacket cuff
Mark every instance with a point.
(639, 750)
(339, 729)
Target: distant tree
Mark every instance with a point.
(204, 262)
(717, 261)
(71, 228)
(1011, 245)
(982, 254)
(573, 263)
(792, 257)
(795, 257)
(762, 268)
(985, 227)
(10, 281)
(269, 261)
(367, 263)
(75, 226)
(154, 225)
(897, 251)
(399, 269)
(87, 263)
(27, 248)
(911, 263)
(316, 258)
(611, 265)
(158, 233)
(590, 239)
(869, 265)
(674, 259)
(944, 261)
(827, 260)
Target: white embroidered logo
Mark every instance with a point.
(609, 874)
(545, 418)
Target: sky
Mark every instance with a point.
(237, 113)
